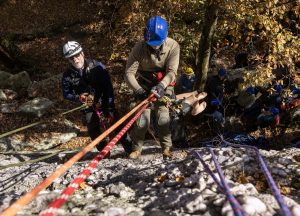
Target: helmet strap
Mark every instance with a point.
(157, 52)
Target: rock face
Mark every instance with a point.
(152, 185)
(42, 88)
(18, 82)
(46, 140)
(3, 79)
(36, 107)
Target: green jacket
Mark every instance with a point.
(144, 61)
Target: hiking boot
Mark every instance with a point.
(135, 155)
(167, 153)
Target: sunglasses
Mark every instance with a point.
(74, 56)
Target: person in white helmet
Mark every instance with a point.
(87, 81)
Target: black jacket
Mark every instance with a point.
(93, 79)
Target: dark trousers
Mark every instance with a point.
(95, 129)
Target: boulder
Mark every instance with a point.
(9, 107)
(4, 76)
(42, 88)
(19, 82)
(36, 107)
(7, 94)
(46, 140)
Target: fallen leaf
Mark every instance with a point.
(179, 178)
(161, 178)
(243, 179)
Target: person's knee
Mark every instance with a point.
(163, 121)
(142, 122)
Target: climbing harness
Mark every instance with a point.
(28, 197)
(58, 202)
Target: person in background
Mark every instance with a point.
(187, 80)
(87, 81)
(218, 111)
(216, 85)
(269, 117)
(152, 68)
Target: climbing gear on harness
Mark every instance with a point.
(156, 31)
(159, 75)
(87, 99)
(71, 48)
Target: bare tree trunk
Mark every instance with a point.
(211, 17)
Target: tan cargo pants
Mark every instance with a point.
(142, 124)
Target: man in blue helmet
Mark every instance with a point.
(152, 67)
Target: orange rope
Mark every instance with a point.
(27, 198)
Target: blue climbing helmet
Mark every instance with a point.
(222, 72)
(215, 102)
(278, 88)
(251, 90)
(156, 31)
(274, 110)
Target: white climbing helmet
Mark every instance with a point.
(71, 48)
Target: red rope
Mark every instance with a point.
(58, 202)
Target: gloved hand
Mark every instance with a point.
(141, 95)
(87, 99)
(158, 90)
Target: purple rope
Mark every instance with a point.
(210, 172)
(222, 185)
(274, 189)
(236, 207)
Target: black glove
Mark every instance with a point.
(158, 90)
(141, 95)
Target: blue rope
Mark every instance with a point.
(274, 189)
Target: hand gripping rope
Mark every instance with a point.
(58, 202)
(223, 186)
(27, 198)
(274, 189)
